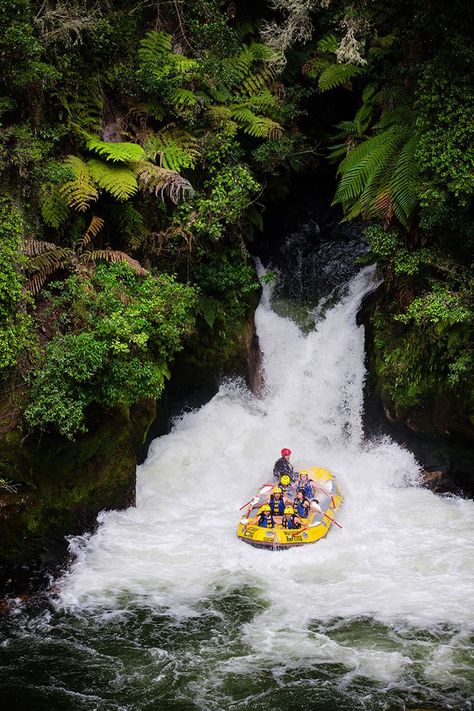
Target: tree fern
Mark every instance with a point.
(96, 224)
(155, 53)
(173, 148)
(380, 176)
(54, 208)
(182, 98)
(161, 181)
(115, 152)
(80, 192)
(118, 180)
(337, 75)
(112, 255)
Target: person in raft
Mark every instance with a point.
(277, 505)
(305, 484)
(290, 520)
(284, 466)
(264, 518)
(301, 504)
(286, 487)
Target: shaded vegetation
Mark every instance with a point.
(141, 144)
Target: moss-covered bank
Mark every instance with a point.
(61, 486)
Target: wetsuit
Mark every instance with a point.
(277, 506)
(282, 466)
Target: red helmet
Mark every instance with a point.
(285, 452)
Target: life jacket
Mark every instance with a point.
(277, 506)
(307, 488)
(266, 521)
(291, 523)
(300, 508)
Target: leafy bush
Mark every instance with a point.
(16, 329)
(117, 335)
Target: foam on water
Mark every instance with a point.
(402, 557)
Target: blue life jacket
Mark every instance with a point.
(291, 522)
(277, 506)
(300, 507)
(307, 488)
(266, 521)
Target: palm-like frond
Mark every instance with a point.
(115, 152)
(92, 231)
(336, 75)
(112, 255)
(82, 190)
(175, 149)
(53, 207)
(162, 181)
(118, 180)
(380, 176)
(45, 258)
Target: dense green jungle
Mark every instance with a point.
(143, 146)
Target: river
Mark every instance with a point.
(164, 608)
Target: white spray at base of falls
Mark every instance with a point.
(402, 558)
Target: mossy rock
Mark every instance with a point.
(62, 485)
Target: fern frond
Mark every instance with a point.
(116, 152)
(328, 44)
(92, 231)
(33, 247)
(112, 255)
(380, 176)
(45, 258)
(81, 191)
(337, 74)
(161, 181)
(154, 46)
(118, 180)
(404, 183)
(257, 126)
(53, 207)
(176, 149)
(181, 97)
(263, 101)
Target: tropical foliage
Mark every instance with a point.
(141, 144)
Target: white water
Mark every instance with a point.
(403, 556)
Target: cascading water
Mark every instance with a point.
(164, 608)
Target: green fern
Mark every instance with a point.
(80, 192)
(115, 152)
(337, 75)
(183, 98)
(257, 126)
(328, 44)
(53, 207)
(118, 180)
(380, 176)
(156, 54)
(175, 149)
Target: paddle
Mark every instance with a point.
(328, 493)
(254, 500)
(317, 507)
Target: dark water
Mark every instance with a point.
(137, 657)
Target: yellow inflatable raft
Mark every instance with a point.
(327, 499)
